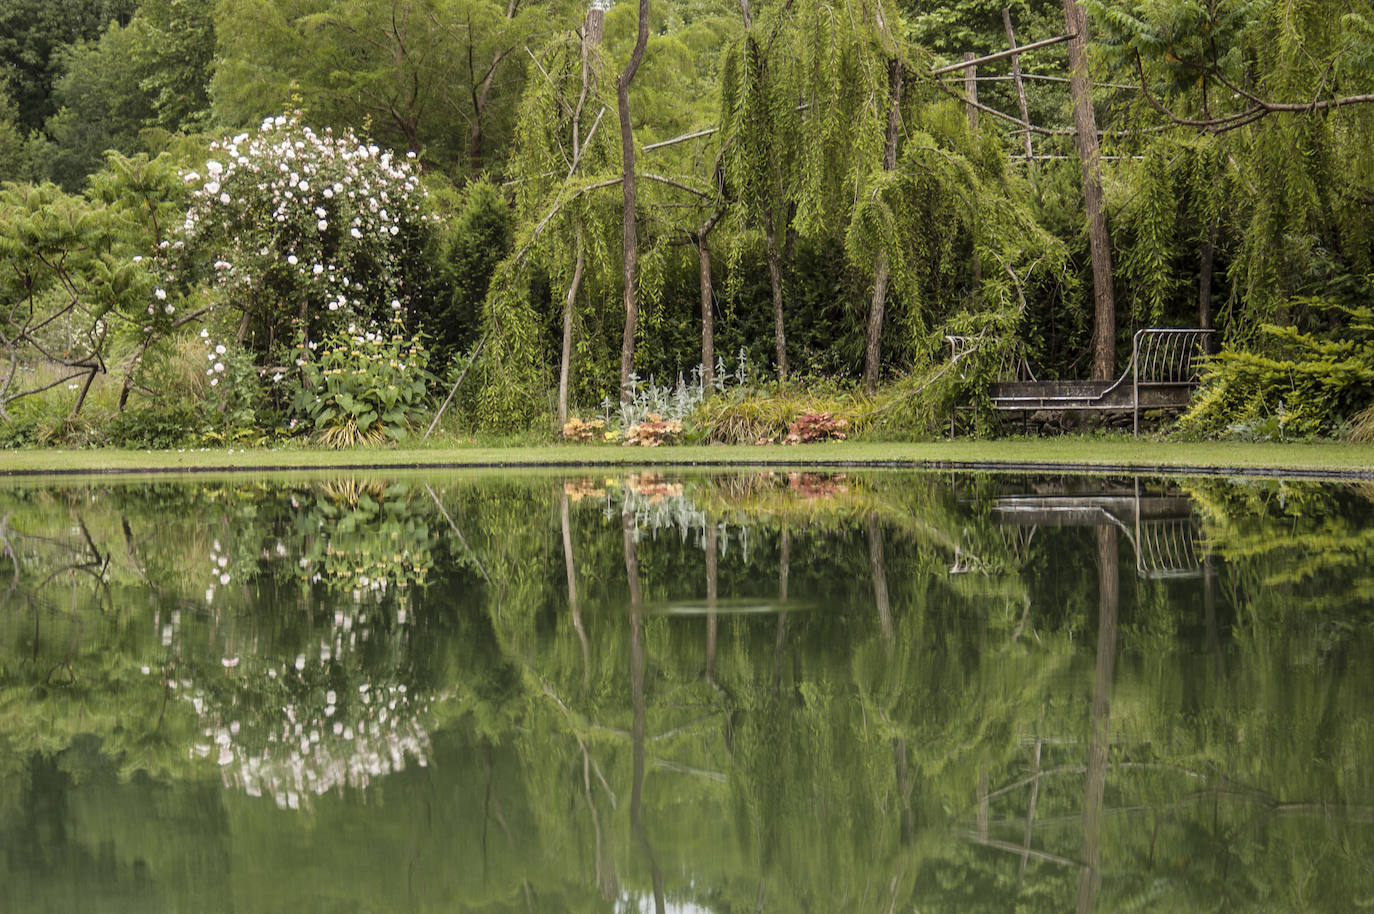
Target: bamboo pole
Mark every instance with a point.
(1016, 80)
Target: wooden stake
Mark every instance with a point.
(1016, 80)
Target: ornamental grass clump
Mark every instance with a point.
(362, 386)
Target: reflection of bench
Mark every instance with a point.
(1162, 529)
(1162, 375)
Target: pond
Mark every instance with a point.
(686, 692)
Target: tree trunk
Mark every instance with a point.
(1204, 284)
(629, 236)
(574, 608)
(1108, 582)
(881, 268)
(873, 350)
(711, 584)
(708, 320)
(1099, 245)
(481, 95)
(1016, 81)
(877, 569)
(565, 361)
(775, 280)
(591, 38)
(638, 725)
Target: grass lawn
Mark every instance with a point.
(1114, 453)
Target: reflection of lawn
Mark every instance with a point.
(1070, 451)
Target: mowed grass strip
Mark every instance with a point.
(1066, 453)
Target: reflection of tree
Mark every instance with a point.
(874, 731)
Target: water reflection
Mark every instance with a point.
(753, 691)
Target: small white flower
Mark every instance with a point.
(322, 225)
(138, 258)
(292, 259)
(204, 334)
(219, 367)
(214, 381)
(225, 198)
(317, 269)
(355, 233)
(170, 309)
(219, 350)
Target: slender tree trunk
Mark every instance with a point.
(1099, 245)
(1108, 582)
(629, 237)
(1204, 284)
(1016, 81)
(638, 705)
(591, 39)
(877, 569)
(708, 320)
(971, 92)
(574, 606)
(481, 95)
(775, 280)
(975, 265)
(784, 572)
(565, 360)
(873, 349)
(711, 583)
(881, 268)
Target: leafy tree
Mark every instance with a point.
(404, 71)
(101, 106)
(81, 274)
(32, 35)
(14, 162)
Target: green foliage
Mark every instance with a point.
(146, 427)
(1292, 384)
(404, 74)
(100, 107)
(1287, 179)
(14, 163)
(472, 245)
(78, 275)
(362, 386)
(33, 33)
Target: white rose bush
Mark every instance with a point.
(304, 237)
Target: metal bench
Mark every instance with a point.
(1162, 374)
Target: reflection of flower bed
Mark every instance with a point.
(652, 487)
(364, 539)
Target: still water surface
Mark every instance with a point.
(737, 692)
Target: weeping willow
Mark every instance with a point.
(1262, 115)
(564, 168)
